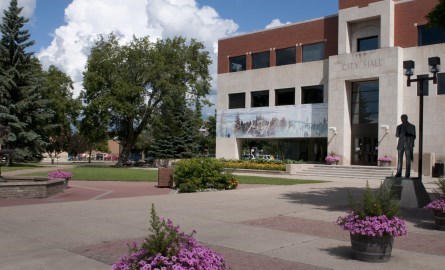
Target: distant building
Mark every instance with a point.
(332, 84)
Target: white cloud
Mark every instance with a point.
(275, 23)
(28, 7)
(86, 19)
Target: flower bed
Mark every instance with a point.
(170, 249)
(437, 205)
(60, 174)
(332, 159)
(259, 164)
(373, 225)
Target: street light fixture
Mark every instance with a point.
(408, 66)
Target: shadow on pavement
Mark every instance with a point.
(330, 199)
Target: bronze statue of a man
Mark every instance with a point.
(406, 132)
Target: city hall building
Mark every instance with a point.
(335, 84)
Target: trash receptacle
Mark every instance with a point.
(165, 177)
(438, 170)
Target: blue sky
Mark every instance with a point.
(65, 30)
(250, 15)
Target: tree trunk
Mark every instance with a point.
(123, 157)
(89, 155)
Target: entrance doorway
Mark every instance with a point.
(364, 122)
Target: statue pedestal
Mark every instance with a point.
(410, 191)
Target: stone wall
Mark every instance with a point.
(31, 189)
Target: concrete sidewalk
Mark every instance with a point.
(276, 227)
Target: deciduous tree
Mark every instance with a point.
(129, 83)
(58, 88)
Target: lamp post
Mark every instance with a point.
(408, 66)
(4, 132)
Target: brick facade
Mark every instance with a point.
(343, 4)
(321, 30)
(407, 17)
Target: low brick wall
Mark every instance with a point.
(30, 189)
(165, 177)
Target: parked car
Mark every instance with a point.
(247, 156)
(110, 157)
(268, 157)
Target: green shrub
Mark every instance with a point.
(191, 175)
(377, 202)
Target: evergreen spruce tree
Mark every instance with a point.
(175, 133)
(22, 107)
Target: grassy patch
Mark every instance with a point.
(245, 179)
(20, 166)
(100, 173)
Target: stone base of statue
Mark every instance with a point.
(410, 191)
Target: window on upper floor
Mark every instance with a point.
(237, 101)
(313, 52)
(441, 83)
(429, 36)
(260, 60)
(285, 96)
(367, 43)
(286, 56)
(312, 94)
(260, 98)
(237, 63)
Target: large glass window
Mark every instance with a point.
(237, 63)
(313, 52)
(312, 94)
(260, 60)
(441, 83)
(285, 96)
(237, 100)
(367, 43)
(260, 98)
(286, 56)
(429, 36)
(365, 102)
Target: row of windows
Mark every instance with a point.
(286, 56)
(316, 51)
(285, 96)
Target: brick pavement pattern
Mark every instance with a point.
(273, 227)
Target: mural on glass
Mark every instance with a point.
(295, 121)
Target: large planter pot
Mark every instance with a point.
(372, 248)
(384, 163)
(439, 219)
(331, 162)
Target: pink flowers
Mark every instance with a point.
(384, 159)
(332, 159)
(437, 205)
(60, 174)
(373, 225)
(170, 249)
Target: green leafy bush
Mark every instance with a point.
(381, 201)
(191, 175)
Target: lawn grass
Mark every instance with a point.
(20, 166)
(101, 173)
(245, 179)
